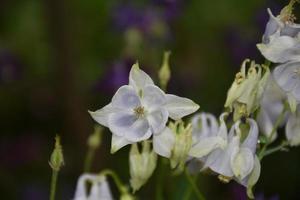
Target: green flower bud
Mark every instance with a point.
(57, 157)
(165, 72)
(142, 164)
(95, 139)
(183, 143)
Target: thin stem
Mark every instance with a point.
(89, 159)
(275, 149)
(160, 179)
(53, 184)
(193, 185)
(188, 192)
(269, 139)
(118, 182)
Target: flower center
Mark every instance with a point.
(139, 111)
(286, 14)
(239, 78)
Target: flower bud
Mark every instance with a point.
(246, 91)
(126, 196)
(142, 164)
(165, 72)
(57, 158)
(94, 140)
(182, 145)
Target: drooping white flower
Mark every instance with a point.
(281, 41)
(142, 164)
(287, 76)
(99, 188)
(237, 160)
(292, 129)
(140, 109)
(271, 106)
(207, 135)
(246, 91)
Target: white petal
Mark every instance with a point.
(163, 143)
(179, 107)
(119, 123)
(251, 140)
(286, 77)
(158, 119)
(101, 116)
(140, 130)
(153, 97)
(117, 143)
(296, 90)
(265, 123)
(292, 129)
(219, 160)
(103, 191)
(81, 192)
(138, 78)
(242, 162)
(126, 98)
(206, 145)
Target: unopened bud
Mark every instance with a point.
(95, 139)
(165, 72)
(142, 164)
(57, 158)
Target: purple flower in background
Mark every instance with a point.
(125, 16)
(172, 8)
(114, 77)
(238, 191)
(10, 67)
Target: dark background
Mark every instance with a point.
(59, 58)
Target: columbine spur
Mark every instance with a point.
(281, 41)
(99, 188)
(140, 109)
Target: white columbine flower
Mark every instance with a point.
(292, 129)
(246, 91)
(140, 109)
(99, 188)
(271, 106)
(238, 160)
(207, 135)
(287, 76)
(281, 41)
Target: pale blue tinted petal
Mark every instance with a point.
(101, 116)
(153, 97)
(117, 143)
(163, 143)
(138, 78)
(296, 90)
(286, 77)
(292, 129)
(271, 27)
(102, 190)
(265, 123)
(157, 119)
(120, 122)
(126, 98)
(179, 107)
(139, 130)
(81, 192)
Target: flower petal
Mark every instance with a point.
(153, 97)
(138, 78)
(242, 161)
(126, 98)
(206, 145)
(101, 116)
(253, 177)
(292, 129)
(286, 77)
(139, 130)
(120, 122)
(265, 123)
(163, 143)
(272, 26)
(158, 119)
(117, 143)
(251, 140)
(179, 107)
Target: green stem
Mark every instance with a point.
(53, 184)
(193, 185)
(89, 159)
(275, 149)
(118, 182)
(269, 139)
(160, 179)
(188, 192)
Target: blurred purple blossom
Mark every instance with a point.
(10, 67)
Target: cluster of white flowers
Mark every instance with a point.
(258, 103)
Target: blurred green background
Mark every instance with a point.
(60, 58)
